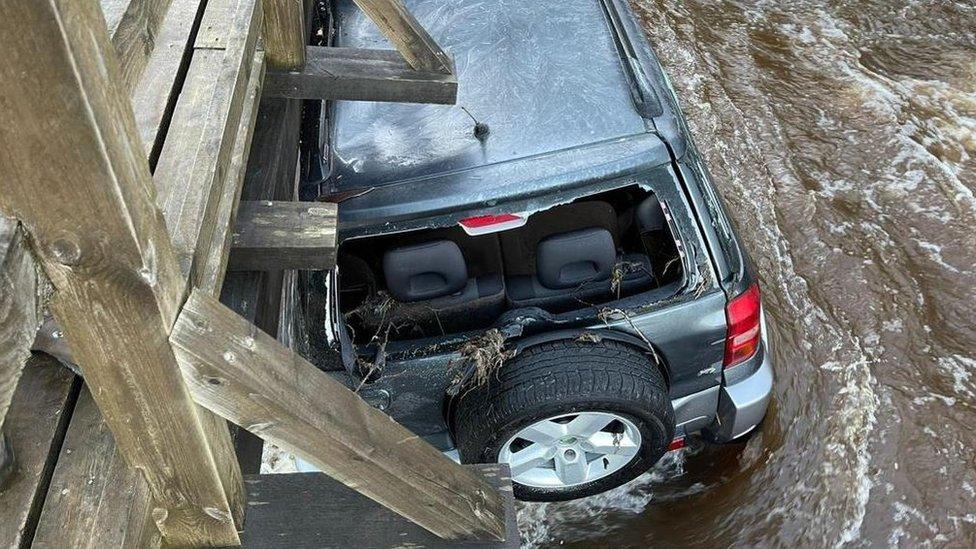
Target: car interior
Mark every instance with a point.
(589, 252)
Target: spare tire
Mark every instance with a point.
(571, 418)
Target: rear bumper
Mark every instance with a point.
(742, 405)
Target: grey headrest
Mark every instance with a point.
(570, 259)
(424, 271)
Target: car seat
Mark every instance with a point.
(432, 286)
(566, 258)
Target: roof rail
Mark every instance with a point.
(645, 99)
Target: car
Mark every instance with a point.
(543, 274)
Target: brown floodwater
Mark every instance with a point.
(842, 136)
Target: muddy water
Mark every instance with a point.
(843, 137)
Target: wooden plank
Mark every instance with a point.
(78, 516)
(270, 175)
(247, 377)
(154, 95)
(199, 145)
(35, 424)
(133, 26)
(311, 510)
(272, 236)
(285, 33)
(23, 291)
(103, 245)
(215, 265)
(407, 35)
(362, 75)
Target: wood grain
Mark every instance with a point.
(35, 425)
(23, 291)
(285, 33)
(246, 376)
(311, 510)
(407, 35)
(89, 210)
(133, 26)
(86, 509)
(154, 95)
(271, 236)
(200, 142)
(361, 75)
(214, 268)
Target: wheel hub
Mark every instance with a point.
(571, 449)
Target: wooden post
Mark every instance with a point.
(22, 295)
(285, 33)
(246, 376)
(407, 35)
(72, 171)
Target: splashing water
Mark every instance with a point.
(842, 136)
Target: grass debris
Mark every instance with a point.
(482, 357)
(589, 337)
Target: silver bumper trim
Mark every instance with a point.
(741, 406)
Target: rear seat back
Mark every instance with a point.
(425, 271)
(567, 260)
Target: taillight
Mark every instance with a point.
(745, 331)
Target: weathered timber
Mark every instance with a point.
(104, 247)
(96, 500)
(285, 33)
(199, 145)
(362, 75)
(133, 26)
(270, 175)
(311, 510)
(22, 295)
(272, 236)
(154, 95)
(247, 377)
(406, 34)
(193, 167)
(214, 268)
(35, 424)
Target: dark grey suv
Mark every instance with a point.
(560, 290)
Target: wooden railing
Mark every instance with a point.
(124, 136)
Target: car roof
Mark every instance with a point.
(546, 76)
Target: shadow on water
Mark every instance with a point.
(842, 135)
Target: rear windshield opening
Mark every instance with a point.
(435, 282)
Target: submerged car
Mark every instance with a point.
(543, 274)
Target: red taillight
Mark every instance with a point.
(484, 224)
(745, 331)
(676, 444)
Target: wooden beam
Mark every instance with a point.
(271, 236)
(270, 175)
(300, 510)
(105, 249)
(285, 33)
(214, 267)
(23, 291)
(407, 35)
(154, 95)
(362, 75)
(199, 145)
(133, 26)
(117, 514)
(36, 425)
(246, 376)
